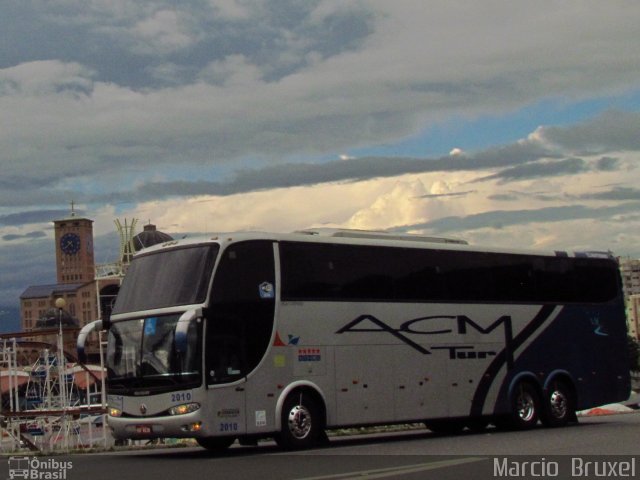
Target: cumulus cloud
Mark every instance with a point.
(521, 160)
(305, 79)
(231, 114)
(234, 70)
(44, 78)
(231, 9)
(166, 31)
(392, 208)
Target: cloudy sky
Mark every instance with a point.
(504, 123)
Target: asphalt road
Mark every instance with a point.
(611, 444)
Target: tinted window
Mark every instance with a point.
(240, 319)
(596, 279)
(167, 278)
(314, 271)
(554, 279)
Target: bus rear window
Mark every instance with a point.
(167, 278)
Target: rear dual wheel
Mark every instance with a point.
(524, 410)
(555, 407)
(559, 404)
(526, 406)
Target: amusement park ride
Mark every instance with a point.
(54, 404)
(49, 400)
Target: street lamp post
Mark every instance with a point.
(62, 371)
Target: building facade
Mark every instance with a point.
(75, 276)
(633, 316)
(630, 272)
(74, 250)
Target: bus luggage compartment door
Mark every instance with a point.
(364, 385)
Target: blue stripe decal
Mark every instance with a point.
(500, 360)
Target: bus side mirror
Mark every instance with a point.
(182, 329)
(82, 338)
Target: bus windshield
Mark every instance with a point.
(144, 353)
(167, 278)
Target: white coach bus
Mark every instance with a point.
(252, 335)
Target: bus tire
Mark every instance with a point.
(525, 407)
(559, 404)
(215, 444)
(302, 423)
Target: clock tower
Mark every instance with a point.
(74, 249)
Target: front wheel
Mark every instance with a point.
(301, 422)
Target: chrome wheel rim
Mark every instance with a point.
(526, 406)
(299, 422)
(558, 404)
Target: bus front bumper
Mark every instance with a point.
(179, 426)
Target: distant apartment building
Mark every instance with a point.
(630, 272)
(633, 315)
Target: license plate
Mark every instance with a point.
(143, 429)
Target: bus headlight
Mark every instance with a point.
(185, 408)
(114, 412)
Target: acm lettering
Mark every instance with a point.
(444, 324)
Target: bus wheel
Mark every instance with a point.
(559, 405)
(301, 422)
(525, 406)
(215, 444)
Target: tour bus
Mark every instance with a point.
(253, 335)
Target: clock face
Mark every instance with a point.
(70, 243)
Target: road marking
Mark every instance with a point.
(399, 470)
